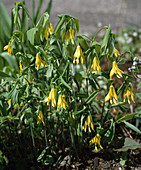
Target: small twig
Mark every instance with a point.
(128, 132)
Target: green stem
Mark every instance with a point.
(105, 27)
(106, 113)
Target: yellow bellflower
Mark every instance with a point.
(7, 47)
(116, 52)
(89, 124)
(21, 67)
(112, 96)
(96, 140)
(49, 30)
(129, 93)
(39, 62)
(9, 102)
(69, 35)
(95, 66)
(115, 70)
(62, 103)
(78, 54)
(51, 97)
(28, 81)
(21, 104)
(40, 118)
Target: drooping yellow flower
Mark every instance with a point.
(51, 97)
(62, 103)
(115, 70)
(128, 93)
(116, 52)
(69, 35)
(40, 118)
(9, 101)
(78, 54)
(39, 62)
(112, 96)
(88, 124)
(28, 81)
(95, 66)
(7, 47)
(96, 140)
(49, 30)
(21, 67)
(21, 104)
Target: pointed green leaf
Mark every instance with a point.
(127, 117)
(31, 33)
(139, 85)
(106, 37)
(132, 127)
(5, 76)
(11, 59)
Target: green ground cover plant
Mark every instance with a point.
(56, 99)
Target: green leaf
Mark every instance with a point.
(59, 24)
(91, 97)
(31, 33)
(49, 7)
(11, 59)
(138, 95)
(83, 42)
(139, 85)
(106, 38)
(5, 17)
(128, 77)
(129, 144)
(13, 94)
(5, 76)
(80, 111)
(139, 76)
(38, 11)
(132, 127)
(65, 84)
(49, 71)
(127, 117)
(24, 23)
(43, 24)
(118, 104)
(122, 61)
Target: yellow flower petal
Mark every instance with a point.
(21, 67)
(116, 52)
(129, 93)
(96, 140)
(112, 96)
(7, 47)
(40, 118)
(95, 66)
(69, 35)
(62, 103)
(9, 101)
(78, 54)
(49, 30)
(39, 62)
(115, 70)
(51, 97)
(88, 124)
